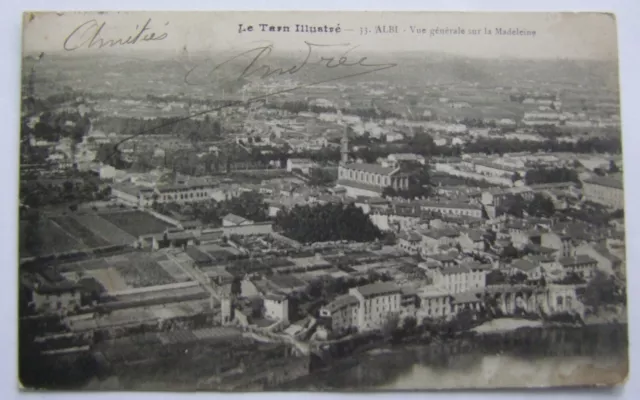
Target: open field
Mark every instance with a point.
(83, 266)
(127, 271)
(141, 270)
(52, 239)
(72, 233)
(105, 230)
(110, 279)
(136, 223)
(174, 270)
(81, 232)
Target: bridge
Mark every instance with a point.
(551, 298)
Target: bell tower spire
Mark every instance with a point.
(344, 144)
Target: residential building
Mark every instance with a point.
(396, 159)
(607, 191)
(471, 240)
(582, 265)
(462, 278)
(470, 300)
(497, 197)
(342, 313)
(495, 169)
(276, 307)
(546, 261)
(303, 164)
(181, 193)
(607, 262)
(50, 292)
(453, 208)
(435, 302)
(378, 301)
(434, 240)
(560, 242)
(409, 301)
(409, 242)
(532, 270)
(443, 260)
(235, 220)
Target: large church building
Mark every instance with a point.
(369, 180)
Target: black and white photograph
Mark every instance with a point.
(320, 201)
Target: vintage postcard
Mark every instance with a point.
(346, 201)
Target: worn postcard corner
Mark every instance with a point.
(321, 201)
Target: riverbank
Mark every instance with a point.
(506, 325)
(549, 355)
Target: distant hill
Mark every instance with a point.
(166, 73)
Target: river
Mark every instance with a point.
(530, 357)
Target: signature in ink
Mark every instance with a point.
(89, 35)
(257, 65)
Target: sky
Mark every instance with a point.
(558, 35)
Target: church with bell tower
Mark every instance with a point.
(369, 180)
(344, 147)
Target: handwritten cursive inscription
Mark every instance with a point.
(256, 66)
(89, 35)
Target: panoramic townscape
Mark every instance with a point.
(193, 238)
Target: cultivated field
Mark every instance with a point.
(105, 229)
(141, 270)
(110, 279)
(83, 232)
(80, 232)
(136, 223)
(174, 270)
(52, 239)
(127, 271)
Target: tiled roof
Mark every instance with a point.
(432, 291)
(459, 269)
(524, 265)
(605, 181)
(440, 233)
(603, 251)
(410, 236)
(475, 235)
(235, 219)
(478, 266)
(371, 168)
(580, 259)
(179, 235)
(358, 185)
(377, 289)
(462, 206)
(275, 297)
(341, 301)
(466, 297)
(541, 258)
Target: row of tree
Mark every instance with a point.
(501, 146)
(190, 128)
(53, 127)
(550, 175)
(325, 223)
(539, 206)
(35, 194)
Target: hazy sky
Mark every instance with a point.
(566, 35)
